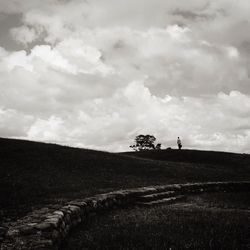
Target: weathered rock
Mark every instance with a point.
(54, 222)
(12, 233)
(58, 212)
(44, 226)
(26, 230)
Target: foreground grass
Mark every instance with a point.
(191, 225)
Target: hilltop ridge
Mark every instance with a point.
(194, 156)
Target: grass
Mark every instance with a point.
(221, 200)
(236, 161)
(33, 174)
(190, 225)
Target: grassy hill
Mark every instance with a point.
(195, 156)
(32, 172)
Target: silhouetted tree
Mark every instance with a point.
(158, 146)
(144, 142)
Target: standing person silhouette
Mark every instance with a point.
(179, 143)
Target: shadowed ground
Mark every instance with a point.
(33, 174)
(208, 221)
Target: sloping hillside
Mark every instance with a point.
(32, 172)
(195, 156)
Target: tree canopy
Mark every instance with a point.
(145, 142)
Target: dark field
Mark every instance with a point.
(33, 174)
(209, 221)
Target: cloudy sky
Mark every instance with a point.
(97, 73)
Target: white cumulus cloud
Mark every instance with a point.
(97, 73)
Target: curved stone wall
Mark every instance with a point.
(47, 228)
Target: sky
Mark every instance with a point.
(95, 74)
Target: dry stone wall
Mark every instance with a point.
(46, 228)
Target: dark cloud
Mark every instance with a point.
(192, 15)
(8, 21)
